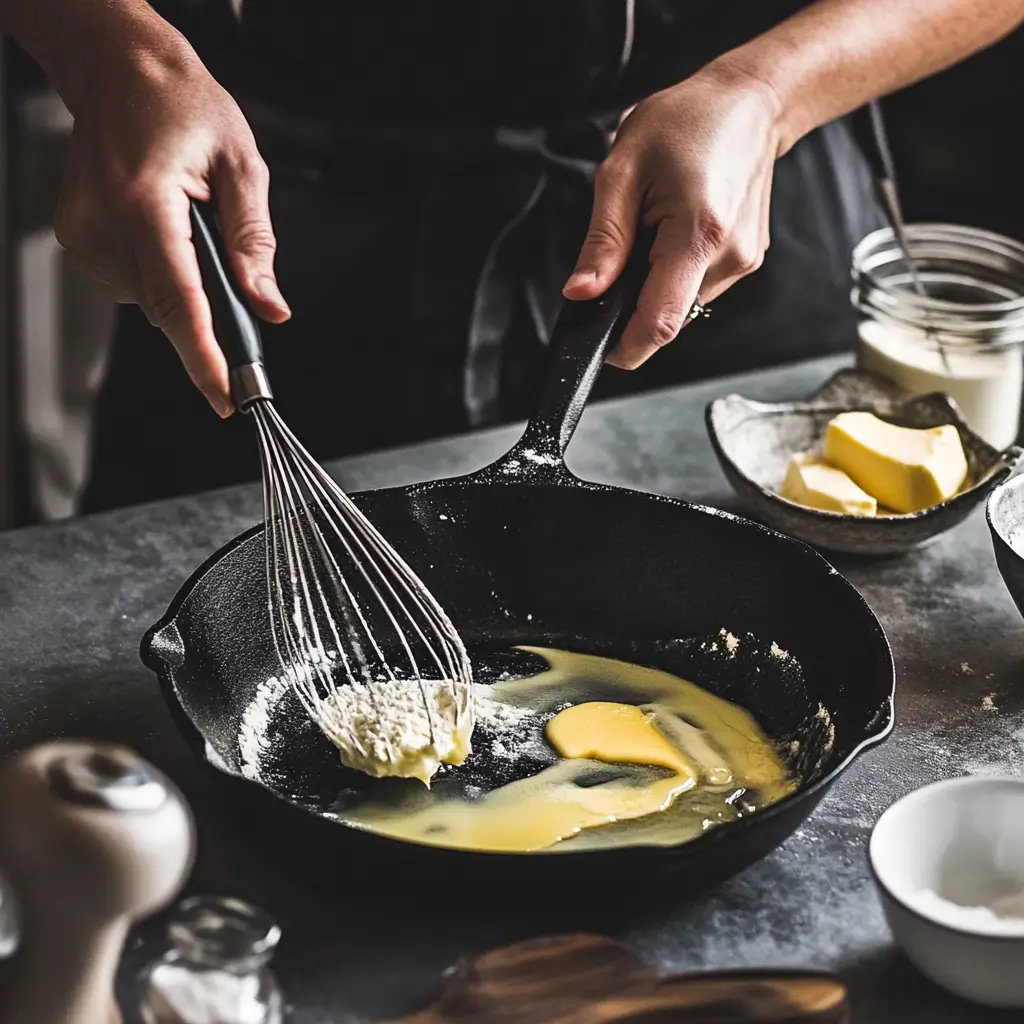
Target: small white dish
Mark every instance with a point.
(1005, 513)
(961, 840)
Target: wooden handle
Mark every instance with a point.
(587, 979)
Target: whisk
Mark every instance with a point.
(371, 654)
(869, 127)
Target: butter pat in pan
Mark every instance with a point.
(811, 481)
(906, 470)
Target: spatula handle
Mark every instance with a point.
(236, 328)
(589, 979)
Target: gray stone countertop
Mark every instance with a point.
(76, 598)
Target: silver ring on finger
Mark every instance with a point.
(698, 309)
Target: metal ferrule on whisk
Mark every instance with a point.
(250, 384)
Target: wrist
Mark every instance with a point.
(763, 75)
(78, 41)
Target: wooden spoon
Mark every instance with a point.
(587, 979)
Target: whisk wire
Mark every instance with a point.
(311, 521)
(357, 535)
(304, 651)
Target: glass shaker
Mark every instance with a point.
(10, 926)
(216, 971)
(964, 336)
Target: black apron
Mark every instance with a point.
(431, 184)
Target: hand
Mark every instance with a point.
(153, 130)
(695, 162)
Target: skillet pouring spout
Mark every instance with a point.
(523, 552)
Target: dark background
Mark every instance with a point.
(959, 144)
(957, 141)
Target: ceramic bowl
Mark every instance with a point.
(754, 441)
(963, 841)
(1005, 514)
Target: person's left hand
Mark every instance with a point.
(695, 162)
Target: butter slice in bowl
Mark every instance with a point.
(755, 443)
(812, 481)
(903, 468)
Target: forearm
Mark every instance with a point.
(836, 55)
(70, 39)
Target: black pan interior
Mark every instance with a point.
(592, 569)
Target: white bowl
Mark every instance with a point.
(963, 841)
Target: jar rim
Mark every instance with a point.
(223, 929)
(934, 231)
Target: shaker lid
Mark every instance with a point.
(107, 776)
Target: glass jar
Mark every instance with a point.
(963, 336)
(216, 970)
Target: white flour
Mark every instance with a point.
(402, 719)
(495, 716)
(507, 725)
(1003, 916)
(386, 727)
(727, 642)
(253, 739)
(178, 995)
(396, 727)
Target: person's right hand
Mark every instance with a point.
(152, 131)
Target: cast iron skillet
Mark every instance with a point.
(523, 551)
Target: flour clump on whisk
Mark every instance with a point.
(404, 728)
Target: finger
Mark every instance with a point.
(738, 261)
(242, 186)
(172, 293)
(669, 292)
(610, 234)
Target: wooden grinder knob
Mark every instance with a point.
(92, 838)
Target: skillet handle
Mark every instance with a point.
(583, 336)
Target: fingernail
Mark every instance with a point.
(222, 406)
(580, 278)
(267, 290)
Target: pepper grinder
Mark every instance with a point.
(92, 838)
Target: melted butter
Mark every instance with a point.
(658, 767)
(617, 734)
(538, 812)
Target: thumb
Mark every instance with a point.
(610, 234)
(242, 188)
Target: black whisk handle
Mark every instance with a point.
(234, 325)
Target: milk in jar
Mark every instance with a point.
(985, 384)
(963, 337)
